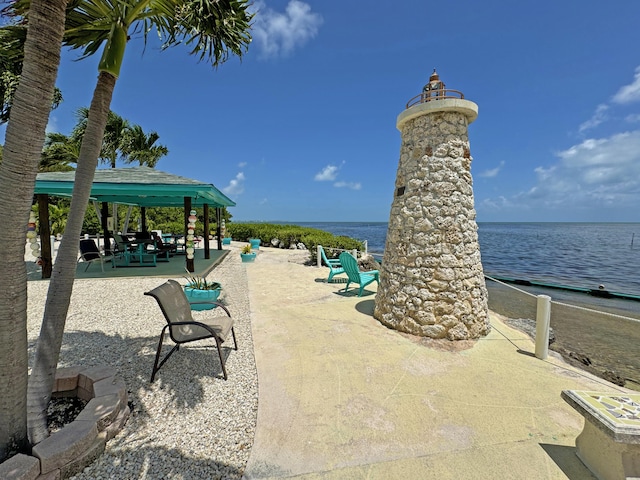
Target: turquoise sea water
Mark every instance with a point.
(576, 254)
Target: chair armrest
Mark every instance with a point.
(212, 302)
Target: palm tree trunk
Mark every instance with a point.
(23, 143)
(61, 286)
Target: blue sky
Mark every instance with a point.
(303, 128)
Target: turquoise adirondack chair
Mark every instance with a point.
(352, 270)
(334, 264)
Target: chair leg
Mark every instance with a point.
(219, 345)
(157, 367)
(235, 344)
(347, 287)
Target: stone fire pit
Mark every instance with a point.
(69, 450)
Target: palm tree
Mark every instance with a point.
(23, 145)
(214, 29)
(139, 147)
(59, 152)
(12, 38)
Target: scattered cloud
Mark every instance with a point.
(599, 116)
(596, 173)
(327, 174)
(632, 118)
(263, 201)
(492, 172)
(351, 185)
(236, 185)
(629, 93)
(52, 125)
(278, 34)
(242, 164)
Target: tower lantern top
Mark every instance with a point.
(434, 84)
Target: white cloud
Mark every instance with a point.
(242, 164)
(328, 173)
(593, 174)
(629, 93)
(599, 116)
(492, 172)
(52, 125)
(351, 185)
(632, 118)
(278, 34)
(236, 185)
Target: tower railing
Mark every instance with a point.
(432, 95)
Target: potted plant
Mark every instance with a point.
(226, 240)
(246, 254)
(255, 243)
(199, 289)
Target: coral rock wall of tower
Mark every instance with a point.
(431, 279)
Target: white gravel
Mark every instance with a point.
(188, 424)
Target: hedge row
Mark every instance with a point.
(293, 234)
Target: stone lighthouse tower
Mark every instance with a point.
(431, 279)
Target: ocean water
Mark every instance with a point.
(575, 254)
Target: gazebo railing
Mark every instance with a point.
(433, 95)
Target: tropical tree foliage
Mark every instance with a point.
(12, 38)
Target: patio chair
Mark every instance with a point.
(182, 326)
(334, 264)
(90, 253)
(163, 250)
(352, 270)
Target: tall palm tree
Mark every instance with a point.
(213, 29)
(140, 147)
(23, 145)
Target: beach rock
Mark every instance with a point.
(613, 377)
(367, 262)
(275, 242)
(528, 326)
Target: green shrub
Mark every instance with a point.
(293, 234)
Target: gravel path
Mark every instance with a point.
(188, 424)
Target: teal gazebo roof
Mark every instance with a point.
(142, 186)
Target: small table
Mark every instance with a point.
(609, 444)
(139, 250)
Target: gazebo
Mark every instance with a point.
(140, 186)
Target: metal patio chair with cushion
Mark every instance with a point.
(163, 250)
(350, 265)
(334, 264)
(90, 253)
(182, 326)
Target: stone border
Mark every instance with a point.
(69, 450)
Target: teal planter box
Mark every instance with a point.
(194, 295)
(226, 241)
(247, 257)
(255, 243)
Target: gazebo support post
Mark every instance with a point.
(46, 255)
(219, 227)
(207, 253)
(187, 208)
(143, 215)
(105, 227)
